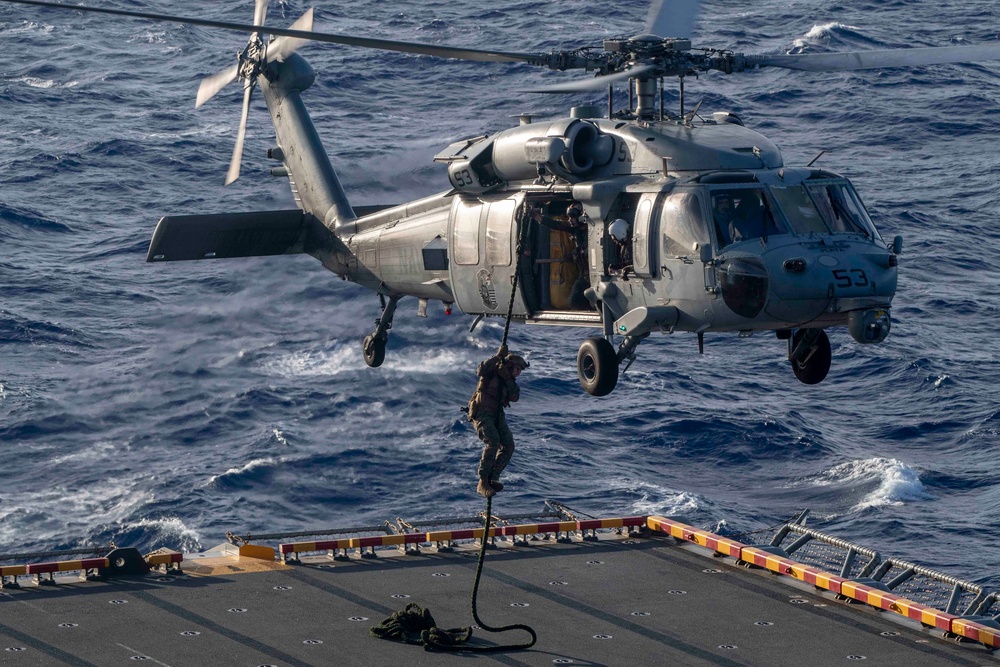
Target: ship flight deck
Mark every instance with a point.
(625, 591)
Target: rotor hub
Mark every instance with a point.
(251, 58)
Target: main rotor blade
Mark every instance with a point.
(282, 47)
(594, 83)
(854, 60)
(672, 18)
(237, 161)
(364, 42)
(259, 12)
(211, 85)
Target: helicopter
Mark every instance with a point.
(628, 221)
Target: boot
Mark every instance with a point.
(484, 489)
(497, 485)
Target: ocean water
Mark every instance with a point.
(163, 405)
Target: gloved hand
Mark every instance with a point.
(502, 351)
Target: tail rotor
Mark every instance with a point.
(251, 63)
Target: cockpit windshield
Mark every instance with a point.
(841, 208)
(744, 213)
(828, 206)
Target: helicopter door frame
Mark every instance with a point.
(645, 235)
(483, 236)
(684, 279)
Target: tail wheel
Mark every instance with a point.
(597, 366)
(374, 350)
(813, 356)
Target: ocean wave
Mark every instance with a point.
(168, 530)
(59, 511)
(348, 358)
(245, 476)
(833, 32)
(36, 82)
(651, 498)
(874, 482)
(31, 220)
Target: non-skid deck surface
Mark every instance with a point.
(638, 601)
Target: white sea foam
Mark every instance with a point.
(429, 361)
(348, 359)
(280, 437)
(819, 32)
(150, 37)
(35, 82)
(61, 511)
(896, 482)
(31, 26)
(248, 467)
(656, 499)
(315, 363)
(174, 528)
(100, 450)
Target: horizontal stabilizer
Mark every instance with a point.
(184, 237)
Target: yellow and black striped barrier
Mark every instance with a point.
(12, 571)
(854, 590)
(443, 538)
(87, 566)
(170, 561)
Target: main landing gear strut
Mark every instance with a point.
(374, 344)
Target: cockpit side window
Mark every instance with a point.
(799, 210)
(741, 214)
(841, 208)
(683, 225)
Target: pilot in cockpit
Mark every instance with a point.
(748, 220)
(723, 212)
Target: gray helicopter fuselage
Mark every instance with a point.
(460, 247)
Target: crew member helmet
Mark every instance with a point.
(515, 361)
(619, 230)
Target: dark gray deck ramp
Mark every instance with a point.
(637, 601)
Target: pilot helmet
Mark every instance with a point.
(574, 210)
(619, 230)
(515, 361)
(722, 197)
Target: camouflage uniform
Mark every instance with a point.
(496, 390)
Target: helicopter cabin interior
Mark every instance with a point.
(567, 256)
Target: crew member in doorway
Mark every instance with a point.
(496, 390)
(621, 233)
(578, 221)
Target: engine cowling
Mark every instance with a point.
(569, 148)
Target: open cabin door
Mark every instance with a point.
(483, 233)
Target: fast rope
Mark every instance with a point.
(414, 625)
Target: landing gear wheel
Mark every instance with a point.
(374, 350)
(815, 355)
(597, 366)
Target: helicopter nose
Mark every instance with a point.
(744, 284)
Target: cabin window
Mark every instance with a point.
(498, 226)
(643, 232)
(841, 208)
(466, 232)
(799, 210)
(683, 225)
(742, 214)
